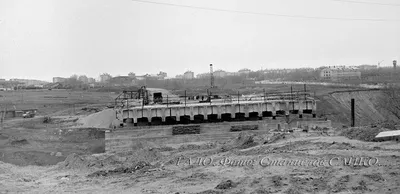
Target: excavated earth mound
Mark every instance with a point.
(102, 119)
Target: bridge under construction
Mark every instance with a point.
(138, 109)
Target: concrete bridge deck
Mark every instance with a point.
(216, 111)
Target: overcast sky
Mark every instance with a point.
(42, 39)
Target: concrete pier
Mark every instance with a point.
(209, 112)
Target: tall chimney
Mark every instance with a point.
(394, 64)
(352, 113)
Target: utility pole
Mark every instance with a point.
(264, 94)
(352, 113)
(394, 69)
(211, 76)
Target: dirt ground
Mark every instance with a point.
(41, 140)
(294, 163)
(57, 155)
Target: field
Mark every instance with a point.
(36, 141)
(53, 153)
(54, 102)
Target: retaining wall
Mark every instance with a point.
(127, 139)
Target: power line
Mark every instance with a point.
(368, 2)
(268, 14)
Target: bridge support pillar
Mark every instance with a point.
(191, 114)
(273, 111)
(219, 112)
(163, 114)
(177, 114)
(233, 111)
(259, 110)
(149, 114)
(205, 112)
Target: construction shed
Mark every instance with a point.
(388, 135)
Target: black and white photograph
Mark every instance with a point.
(200, 96)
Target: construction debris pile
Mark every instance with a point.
(102, 119)
(362, 133)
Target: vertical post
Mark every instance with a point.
(142, 105)
(170, 111)
(352, 113)
(238, 101)
(209, 97)
(184, 110)
(264, 94)
(291, 95)
(127, 107)
(305, 96)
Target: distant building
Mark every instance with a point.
(91, 80)
(203, 75)
(59, 79)
(188, 75)
(121, 81)
(141, 77)
(339, 73)
(244, 71)
(152, 77)
(105, 77)
(220, 73)
(83, 79)
(161, 75)
(54, 85)
(179, 76)
(5, 85)
(132, 75)
(29, 82)
(367, 67)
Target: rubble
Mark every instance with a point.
(120, 170)
(362, 133)
(227, 184)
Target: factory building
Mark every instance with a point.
(339, 73)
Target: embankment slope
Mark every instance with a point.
(337, 107)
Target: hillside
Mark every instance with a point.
(336, 107)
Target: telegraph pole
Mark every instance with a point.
(211, 76)
(394, 69)
(352, 113)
